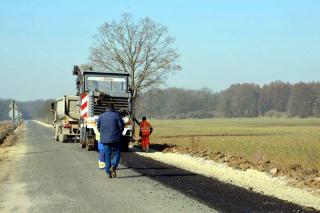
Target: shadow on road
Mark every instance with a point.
(143, 168)
(156, 175)
(223, 197)
(152, 170)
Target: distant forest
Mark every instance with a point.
(277, 99)
(38, 109)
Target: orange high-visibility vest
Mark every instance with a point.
(145, 128)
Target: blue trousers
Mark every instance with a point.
(111, 150)
(101, 152)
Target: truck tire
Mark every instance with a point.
(82, 144)
(55, 135)
(90, 144)
(62, 138)
(125, 144)
(89, 147)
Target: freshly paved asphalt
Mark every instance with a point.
(47, 176)
(221, 196)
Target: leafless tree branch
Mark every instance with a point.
(143, 49)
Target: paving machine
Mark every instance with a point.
(95, 89)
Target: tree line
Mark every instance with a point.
(38, 109)
(277, 99)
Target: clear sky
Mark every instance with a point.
(221, 42)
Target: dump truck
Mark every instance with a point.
(66, 118)
(95, 89)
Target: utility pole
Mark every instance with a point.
(14, 114)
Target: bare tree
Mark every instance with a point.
(143, 49)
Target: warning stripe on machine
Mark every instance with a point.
(84, 105)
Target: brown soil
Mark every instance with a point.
(297, 175)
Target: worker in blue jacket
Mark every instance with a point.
(110, 126)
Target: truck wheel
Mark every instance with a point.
(89, 147)
(62, 138)
(125, 144)
(90, 144)
(82, 144)
(55, 135)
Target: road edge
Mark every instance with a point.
(254, 180)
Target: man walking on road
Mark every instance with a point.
(110, 126)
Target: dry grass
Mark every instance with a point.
(4, 125)
(285, 141)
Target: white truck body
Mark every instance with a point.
(66, 123)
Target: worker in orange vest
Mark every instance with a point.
(145, 131)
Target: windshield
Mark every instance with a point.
(106, 84)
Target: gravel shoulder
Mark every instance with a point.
(254, 180)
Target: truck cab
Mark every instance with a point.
(95, 90)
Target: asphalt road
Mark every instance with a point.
(40, 175)
(47, 176)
